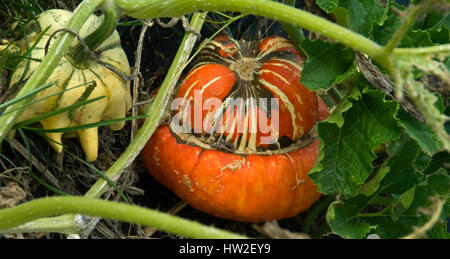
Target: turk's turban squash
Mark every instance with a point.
(73, 81)
(241, 138)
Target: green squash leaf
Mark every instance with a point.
(347, 151)
(432, 19)
(326, 63)
(364, 14)
(426, 32)
(336, 116)
(420, 132)
(407, 162)
(342, 16)
(342, 218)
(359, 15)
(372, 185)
(382, 33)
(438, 160)
(415, 38)
(327, 5)
(402, 203)
(437, 183)
(351, 219)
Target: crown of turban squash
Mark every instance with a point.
(77, 77)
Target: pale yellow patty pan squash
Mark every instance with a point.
(66, 75)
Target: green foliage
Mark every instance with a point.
(327, 63)
(383, 163)
(345, 104)
(348, 150)
(395, 216)
(407, 162)
(328, 5)
(382, 33)
(420, 132)
(362, 14)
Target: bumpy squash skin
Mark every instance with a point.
(250, 187)
(66, 76)
(263, 188)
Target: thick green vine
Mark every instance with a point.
(45, 207)
(77, 55)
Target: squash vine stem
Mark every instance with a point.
(80, 54)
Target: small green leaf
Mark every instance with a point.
(407, 162)
(343, 106)
(406, 198)
(326, 63)
(403, 202)
(438, 160)
(371, 186)
(439, 182)
(416, 38)
(425, 33)
(428, 31)
(342, 16)
(439, 36)
(432, 19)
(382, 33)
(363, 14)
(348, 150)
(327, 5)
(420, 132)
(342, 219)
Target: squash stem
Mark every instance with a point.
(78, 55)
(295, 33)
(44, 207)
(145, 9)
(66, 224)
